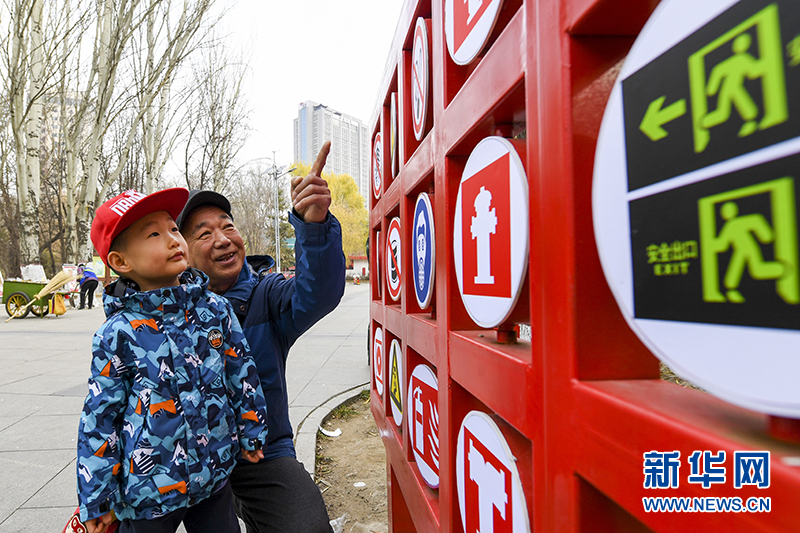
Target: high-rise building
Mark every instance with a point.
(317, 123)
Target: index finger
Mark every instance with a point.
(322, 157)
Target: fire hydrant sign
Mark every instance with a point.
(377, 359)
(490, 231)
(420, 74)
(424, 263)
(467, 26)
(423, 422)
(377, 166)
(393, 259)
(696, 192)
(490, 495)
(396, 381)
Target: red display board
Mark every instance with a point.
(572, 430)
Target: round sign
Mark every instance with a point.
(377, 166)
(396, 381)
(490, 231)
(424, 251)
(393, 134)
(490, 495)
(393, 263)
(420, 74)
(423, 422)
(467, 26)
(695, 200)
(377, 359)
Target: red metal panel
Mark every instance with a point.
(581, 402)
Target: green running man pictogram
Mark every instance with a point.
(745, 235)
(740, 233)
(757, 56)
(727, 79)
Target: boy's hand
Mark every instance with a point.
(99, 525)
(251, 455)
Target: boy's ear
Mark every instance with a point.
(117, 263)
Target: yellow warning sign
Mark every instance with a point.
(394, 380)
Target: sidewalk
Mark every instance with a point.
(45, 365)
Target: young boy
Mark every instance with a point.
(174, 394)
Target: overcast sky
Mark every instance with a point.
(329, 51)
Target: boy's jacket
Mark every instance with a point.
(172, 396)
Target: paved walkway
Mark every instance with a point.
(44, 365)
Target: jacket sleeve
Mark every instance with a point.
(244, 387)
(318, 285)
(98, 433)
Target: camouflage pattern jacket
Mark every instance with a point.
(172, 396)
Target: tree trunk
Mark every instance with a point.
(29, 210)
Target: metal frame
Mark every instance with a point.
(581, 402)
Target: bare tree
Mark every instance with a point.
(217, 120)
(119, 26)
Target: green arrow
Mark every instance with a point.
(655, 117)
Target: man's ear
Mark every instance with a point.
(117, 263)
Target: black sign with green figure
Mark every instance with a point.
(721, 251)
(728, 89)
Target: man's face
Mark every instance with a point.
(215, 246)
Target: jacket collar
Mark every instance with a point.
(124, 294)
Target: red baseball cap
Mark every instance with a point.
(115, 215)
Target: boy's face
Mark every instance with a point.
(153, 254)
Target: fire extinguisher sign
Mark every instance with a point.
(423, 422)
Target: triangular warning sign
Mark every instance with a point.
(394, 384)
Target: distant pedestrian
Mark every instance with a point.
(88, 285)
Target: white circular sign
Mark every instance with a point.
(377, 166)
(377, 359)
(423, 422)
(695, 199)
(424, 243)
(467, 26)
(490, 231)
(393, 134)
(420, 74)
(396, 381)
(490, 495)
(393, 263)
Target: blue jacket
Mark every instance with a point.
(88, 274)
(275, 311)
(173, 394)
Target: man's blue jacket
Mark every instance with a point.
(275, 311)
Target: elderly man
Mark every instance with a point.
(276, 494)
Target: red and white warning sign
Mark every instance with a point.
(377, 166)
(396, 381)
(490, 231)
(377, 359)
(420, 75)
(490, 495)
(423, 422)
(393, 259)
(467, 26)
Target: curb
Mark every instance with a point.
(305, 440)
